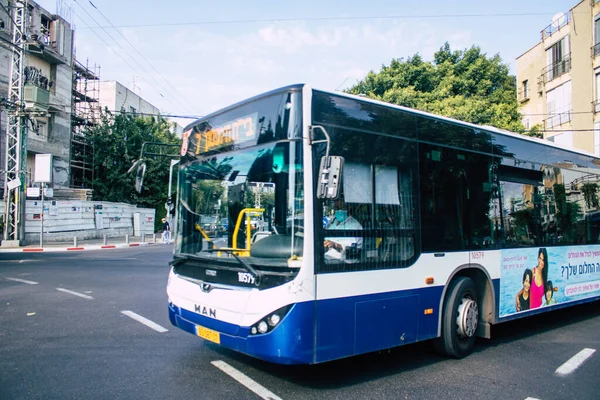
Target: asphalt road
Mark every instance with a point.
(63, 335)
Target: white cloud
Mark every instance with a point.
(211, 67)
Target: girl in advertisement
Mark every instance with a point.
(538, 281)
(524, 296)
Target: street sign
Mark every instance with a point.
(33, 192)
(15, 183)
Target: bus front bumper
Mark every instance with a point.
(290, 342)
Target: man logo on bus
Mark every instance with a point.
(185, 139)
(209, 312)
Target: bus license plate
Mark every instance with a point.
(208, 334)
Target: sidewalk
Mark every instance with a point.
(89, 244)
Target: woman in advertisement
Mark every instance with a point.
(540, 277)
(538, 281)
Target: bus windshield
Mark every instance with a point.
(243, 204)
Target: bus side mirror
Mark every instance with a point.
(330, 177)
(139, 177)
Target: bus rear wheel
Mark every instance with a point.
(459, 319)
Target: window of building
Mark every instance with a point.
(596, 48)
(597, 138)
(132, 110)
(526, 89)
(558, 59)
(559, 105)
(597, 91)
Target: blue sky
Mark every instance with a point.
(191, 63)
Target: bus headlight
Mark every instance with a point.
(270, 321)
(262, 327)
(274, 319)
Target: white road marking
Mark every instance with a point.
(575, 362)
(531, 398)
(246, 381)
(22, 281)
(145, 321)
(85, 296)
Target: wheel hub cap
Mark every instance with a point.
(468, 316)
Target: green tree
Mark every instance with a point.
(117, 141)
(466, 85)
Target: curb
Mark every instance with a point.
(79, 248)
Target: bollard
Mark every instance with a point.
(105, 241)
(143, 238)
(154, 238)
(126, 238)
(74, 241)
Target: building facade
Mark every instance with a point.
(558, 79)
(47, 86)
(117, 98)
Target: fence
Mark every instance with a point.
(64, 219)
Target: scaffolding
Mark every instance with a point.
(86, 111)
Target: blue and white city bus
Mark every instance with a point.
(455, 227)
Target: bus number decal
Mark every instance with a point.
(477, 255)
(245, 277)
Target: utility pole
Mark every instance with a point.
(16, 142)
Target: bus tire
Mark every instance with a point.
(459, 319)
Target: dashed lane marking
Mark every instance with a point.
(145, 321)
(85, 296)
(22, 281)
(575, 362)
(254, 386)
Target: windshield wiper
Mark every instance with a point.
(257, 274)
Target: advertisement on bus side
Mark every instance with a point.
(542, 277)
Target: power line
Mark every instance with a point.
(132, 46)
(121, 47)
(560, 113)
(311, 19)
(562, 130)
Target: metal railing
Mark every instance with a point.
(558, 118)
(596, 106)
(523, 94)
(595, 50)
(557, 69)
(556, 25)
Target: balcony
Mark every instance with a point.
(556, 24)
(557, 119)
(36, 98)
(595, 50)
(557, 69)
(523, 95)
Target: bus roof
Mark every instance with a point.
(296, 87)
(300, 86)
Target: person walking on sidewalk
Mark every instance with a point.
(166, 231)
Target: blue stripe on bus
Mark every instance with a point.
(360, 324)
(292, 342)
(345, 326)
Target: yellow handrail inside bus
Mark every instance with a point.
(249, 212)
(197, 226)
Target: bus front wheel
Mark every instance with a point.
(459, 319)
